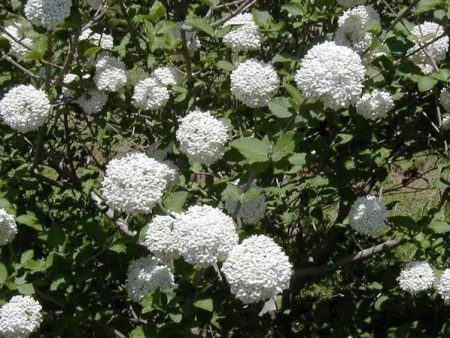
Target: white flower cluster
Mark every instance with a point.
(68, 79)
(47, 13)
(20, 317)
(437, 50)
(352, 28)
(15, 34)
(375, 105)
(350, 3)
(8, 227)
(135, 183)
(257, 269)
(202, 137)
(150, 94)
(368, 216)
(249, 212)
(168, 75)
(254, 83)
(105, 41)
(110, 73)
(24, 108)
(417, 276)
(93, 101)
(146, 275)
(444, 99)
(331, 73)
(246, 36)
(205, 235)
(160, 238)
(443, 286)
(446, 123)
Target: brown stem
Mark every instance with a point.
(363, 254)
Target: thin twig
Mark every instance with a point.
(238, 10)
(120, 222)
(17, 65)
(363, 254)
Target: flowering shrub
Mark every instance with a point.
(246, 168)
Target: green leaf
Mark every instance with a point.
(3, 273)
(201, 24)
(138, 332)
(439, 227)
(262, 18)
(176, 317)
(30, 220)
(26, 256)
(157, 11)
(231, 192)
(298, 159)
(176, 201)
(426, 83)
(26, 289)
(344, 138)
(38, 48)
(279, 106)
(91, 51)
(225, 65)
(293, 9)
(295, 94)
(427, 5)
(379, 302)
(252, 149)
(284, 146)
(204, 304)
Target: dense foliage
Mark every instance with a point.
(255, 126)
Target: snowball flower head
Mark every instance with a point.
(443, 286)
(368, 216)
(254, 83)
(375, 105)
(20, 317)
(110, 74)
(24, 108)
(168, 76)
(257, 269)
(135, 183)
(250, 212)
(423, 34)
(68, 79)
(246, 36)
(105, 41)
(356, 19)
(145, 275)
(202, 137)
(416, 277)
(17, 49)
(150, 94)
(331, 73)
(93, 101)
(47, 13)
(8, 227)
(359, 41)
(444, 99)
(352, 24)
(350, 3)
(205, 235)
(160, 238)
